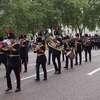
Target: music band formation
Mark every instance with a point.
(14, 53)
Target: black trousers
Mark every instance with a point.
(87, 52)
(3, 59)
(63, 55)
(67, 62)
(41, 60)
(24, 60)
(54, 57)
(78, 53)
(49, 55)
(14, 64)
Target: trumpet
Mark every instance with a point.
(36, 47)
(9, 46)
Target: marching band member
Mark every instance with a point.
(78, 49)
(41, 57)
(87, 47)
(69, 53)
(56, 55)
(24, 51)
(14, 63)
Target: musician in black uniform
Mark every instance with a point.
(41, 57)
(68, 47)
(78, 49)
(87, 47)
(56, 54)
(24, 51)
(14, 63)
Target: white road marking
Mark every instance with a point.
(25, 78)
(94, 71)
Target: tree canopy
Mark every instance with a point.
(34, 15)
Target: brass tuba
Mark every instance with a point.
(54, 43)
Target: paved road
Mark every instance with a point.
(81, 83)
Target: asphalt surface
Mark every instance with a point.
(80, 83)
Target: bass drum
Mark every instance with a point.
(71, 54)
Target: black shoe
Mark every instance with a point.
(17, 90)
(58, 72)
(66, 67)
(9, 89)
(85, 60)
(76, 64)
(45, 79)
(25, 71)
(37, 80)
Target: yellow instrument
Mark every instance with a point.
(54, 43)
